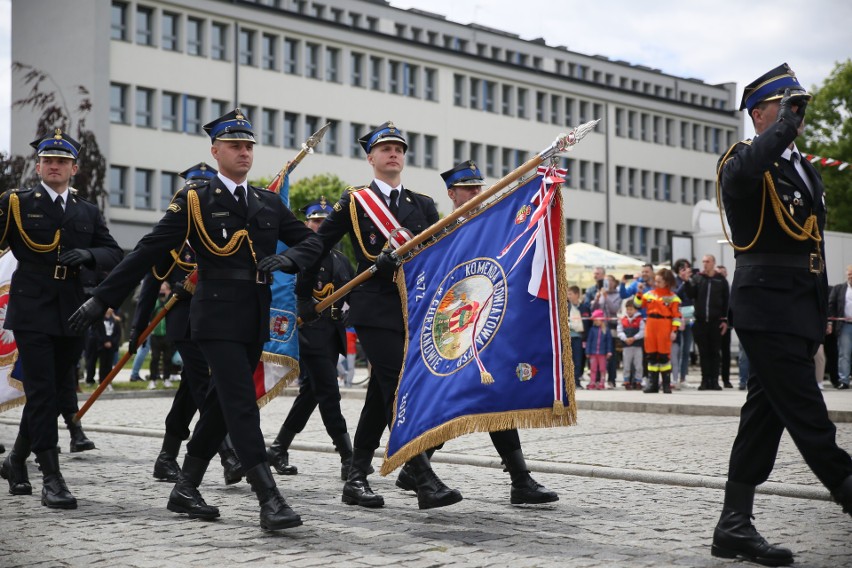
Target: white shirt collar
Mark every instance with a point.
(232, 185)
(787, 154)
(386, 189)
(52, 194)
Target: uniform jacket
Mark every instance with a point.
(710, 295)
(662, 305)
(773, 298)
(221, 309)
(177, 318)
(327, 336)
(38, 301)
(375, 302)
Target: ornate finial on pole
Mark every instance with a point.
(308, 147)
(564, 142)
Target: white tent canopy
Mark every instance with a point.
(582, 258)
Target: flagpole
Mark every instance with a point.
(562, 143)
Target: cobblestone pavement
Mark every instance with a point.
(608, 513)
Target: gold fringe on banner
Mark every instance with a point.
(292, 375)
(491, 422)
(16, 384)
(564, 329)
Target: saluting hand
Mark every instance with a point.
(786, 112)
(91, 311)
(75, 257)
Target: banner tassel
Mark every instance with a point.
(558, 408)
(486, 378)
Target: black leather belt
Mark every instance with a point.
(812, 262)
(659, 316)
(55, 271)
(234, 274)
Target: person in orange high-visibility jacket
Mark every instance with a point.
(663, 309)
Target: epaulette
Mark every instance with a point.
(21, 189)
(747, 141)
(353, 189)
(263, 189)
(418, 193)
(196, 184)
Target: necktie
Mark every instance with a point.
(59, 205)
(795, 161)
(394, 206)
(240, 193)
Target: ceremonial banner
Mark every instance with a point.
(279, 363)
(485, 316)
(11, 390)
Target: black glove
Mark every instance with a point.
(387, 262)
(182, 293)
(785, 110)
(75, 257)
(305, 308)
(132, 341)
(91, 311)
(277, 262)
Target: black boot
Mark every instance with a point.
(14, 468)
(525, 489)
(79, 441)
(343, 445)
(356, 490)
(653, 382)
(431, 491)
(407, 479)
(54, 493)
(735, 536)
(667, 382)
(275, 513)
(185, 497)
(233, 469)
(277, 452)
(166, 467)
(843, 495)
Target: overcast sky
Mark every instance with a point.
(717, 41)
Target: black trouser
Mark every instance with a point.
(231, 403)
(106, 358)
(782, 393)
(46, 364)
(318, 387)
(162, 351)
(91, 355)
(384, 349)
(506, 441)
(725, 360)
(194, 384)
(708, 338)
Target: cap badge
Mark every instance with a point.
(57, 134)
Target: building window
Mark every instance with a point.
(584, 112)
(269, 51)
(458, 90)
(506, 161)
(170, 38)
(554, 109)
(475, 152)
(118, 24)
(491, 161)
(631, 182)
(376, 73)
(644, 127)
(570, 229)
(219, 41)
(584, 174)
(540, 105)
(598, 113)
(331, 136)
(685, 185)
(658, 130)
(475, 101)
(597, 237)
(429, 143)
(291, 56)
(168, 187)
(356, 64)
(312, 60)
(142, 189)
(619, 122)
(393, 77)
(597, 177)
(522, 103)
(169, 111)
(118, 103)
(684, 135)
(631, 124)
(429, 84)
(584, 231)
(332, 64)
(270, 119)
(619, 180)
(192, 121)
(117, 186)
(194, 36)
(291, 125)
(355, 131)
(144, 107)
(458, 151)
(144, 26)
(409, 79)
(488, 88)
(696, 136)
(506, 100)
(412, 155)
(645, 184)
(218, 108)
(246, 47)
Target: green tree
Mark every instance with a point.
(828, 133)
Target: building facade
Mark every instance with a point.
(157, 70)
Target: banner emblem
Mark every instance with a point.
(467, 307)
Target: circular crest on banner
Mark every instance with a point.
(467, 307)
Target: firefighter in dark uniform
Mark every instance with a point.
(52, 233)
(464, 182)
(196, 374)
(320, 343)
(234, 229)
(376, 309)
(775, 205)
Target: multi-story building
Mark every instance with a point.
(159, 69)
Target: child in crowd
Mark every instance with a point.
(631, 331)
(664, 319)
(599, 350)
(577, 312)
